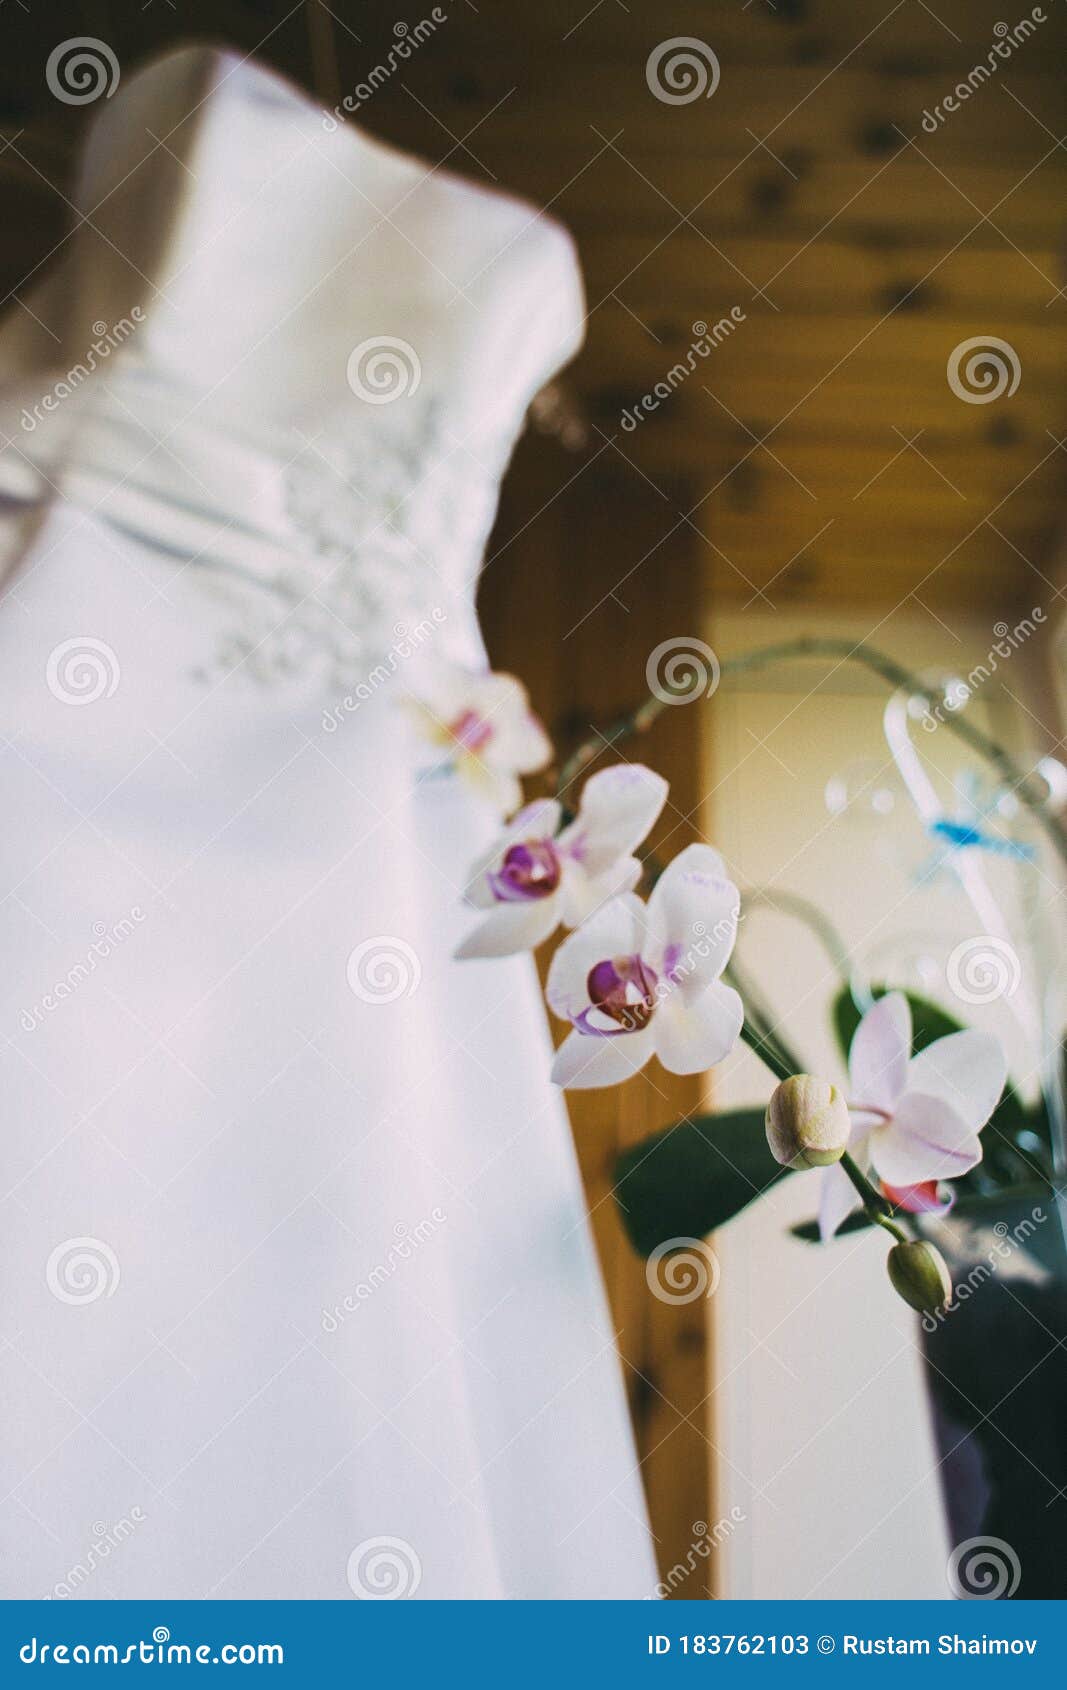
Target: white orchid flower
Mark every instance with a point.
(916, 1119)
(486, 729)
(637, 980)
(536, 876)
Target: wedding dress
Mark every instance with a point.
(299, 1296)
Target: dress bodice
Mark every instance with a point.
(310, 359)
(306, 1168)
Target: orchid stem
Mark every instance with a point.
(876, 1207)
(895, 675)
(875, 1204)
(756, 1037)
(890, 1226)
(756, 1031)
(761, 1018)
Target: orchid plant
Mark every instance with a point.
(482, 727)
(542, 872)
(638, 980)
(641, 978)
(916, 1118)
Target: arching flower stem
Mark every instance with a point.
(895, 674)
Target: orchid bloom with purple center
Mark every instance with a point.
(916, 1119)
(639, 980)
(486, 729)
(537, 875)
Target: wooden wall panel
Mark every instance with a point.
(554, 611)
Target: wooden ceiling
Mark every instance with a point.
(820, 449)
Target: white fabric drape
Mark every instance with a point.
(299, 1297)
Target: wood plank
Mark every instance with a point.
(827, 274)
(817, 32)
(278, 36)
(870, 200)
(555, 636)
(856, 110)
(879, 565)
(891, 348)
(812, 479)
(846, 402)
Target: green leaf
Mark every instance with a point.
(980, 1207)
(928, 1020)
(809, 1230)
(692, 1178)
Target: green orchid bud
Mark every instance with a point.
(807, 1123)
(920, 1275)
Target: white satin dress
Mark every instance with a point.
(299, 1298)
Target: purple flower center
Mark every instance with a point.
(529, 870)
(623, 990)
(471, 730)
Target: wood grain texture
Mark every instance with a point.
(554, 612)
(862, 247)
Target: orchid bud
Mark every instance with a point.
(807, 1123)
(920, 1275)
